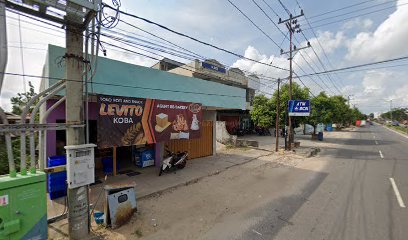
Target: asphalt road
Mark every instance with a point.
(360, 194)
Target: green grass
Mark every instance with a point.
(400, 129)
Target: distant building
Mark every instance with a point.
(214, 71)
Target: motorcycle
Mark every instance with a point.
(174, 161)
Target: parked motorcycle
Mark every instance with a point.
(174, 161)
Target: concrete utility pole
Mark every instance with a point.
(391, 109)
(3, 41)
(277, 118)
(292, 25)
(78, 202)
(348, 98)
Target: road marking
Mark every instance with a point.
(374, 136)
(381, 155)
(392, 130)
(253, 230)
(397, 193)
(376, 143)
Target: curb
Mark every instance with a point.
(310, 153)
(195, 180)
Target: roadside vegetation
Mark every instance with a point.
(18, 103)
(324, 109)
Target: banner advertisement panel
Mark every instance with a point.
(126, 121)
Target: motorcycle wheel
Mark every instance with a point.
(182, 165)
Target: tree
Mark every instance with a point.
(321, 110)
(263, 112)
(371, 115)
(18, 103)
(340, 110)
(399, 114)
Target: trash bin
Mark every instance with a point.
(329, 127)
(320, 136)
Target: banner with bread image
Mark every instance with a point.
(126, 121)
(176, 120)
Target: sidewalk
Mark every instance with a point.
(307, 145)
(148, 182)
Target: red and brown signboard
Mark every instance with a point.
(125, 121)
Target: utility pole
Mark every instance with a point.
(277, 118)
(391, 110)
(78, 202)
(348, 98)
(292, 25)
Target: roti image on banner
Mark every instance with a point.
(120, 121)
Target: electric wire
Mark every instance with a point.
(261, 77)
(121, 85)
(253, 23)
(197, 40)
(285, 35)
(356, 16)
(347, 13)
(357, 66)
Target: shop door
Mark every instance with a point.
(196, 148)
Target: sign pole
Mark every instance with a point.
(277, 119)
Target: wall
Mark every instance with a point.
(222, 134)
(124, 79)
(58, 114)
(211, 115)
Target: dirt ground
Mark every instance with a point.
(189, 212)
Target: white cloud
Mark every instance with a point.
(378, 86)
(358, 23)
(387, 41)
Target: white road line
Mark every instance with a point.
(381, 155)
(376, 143)
(374, 136)
(392, 130)
(397, 193)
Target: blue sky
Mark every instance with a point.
(358, 40)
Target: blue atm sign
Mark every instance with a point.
(213, 67)
(299, 107)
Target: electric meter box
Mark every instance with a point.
(80, 165)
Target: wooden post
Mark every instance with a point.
(114, 161)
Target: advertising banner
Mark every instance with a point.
(120, 121)
(126, 121)
(175, 120)
(299, 107)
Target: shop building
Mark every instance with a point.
(120, 79)
(211, 70)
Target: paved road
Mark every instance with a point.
(354, 199)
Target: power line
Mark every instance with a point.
(203, 57)
(253, 23)
(285, 35)
(357, 66)
(347, 13)
(308, 54)
(359, 15)
(287, 11)
(317, 39)
(339, 9)
(120, 85)
(194, 39)
(139, 54)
